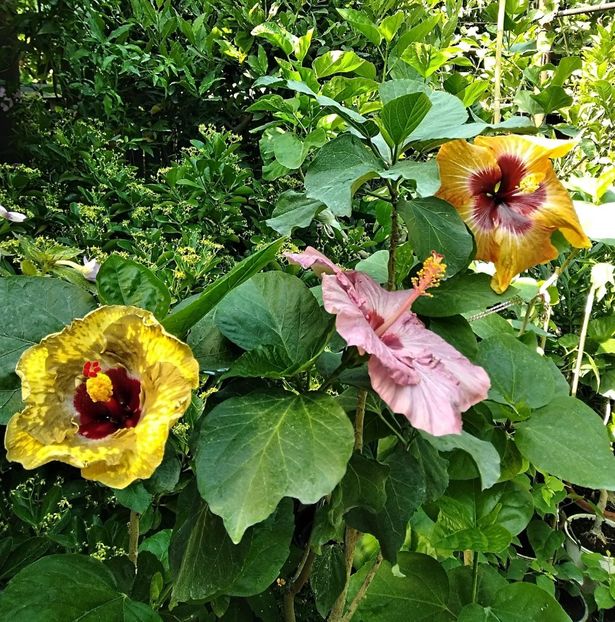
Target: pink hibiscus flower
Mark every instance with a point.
(415, 372)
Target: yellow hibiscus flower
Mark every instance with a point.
(102, 396)
(505, 190)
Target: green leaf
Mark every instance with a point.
(392, 89)
(214, 352)
(405, 491)
(69, 587)
(126, 282)
(389, 26)
(435, 225)
(421, 594)
(483, 453)
(288, 150)
(328, 577)
(517, 602)
(277, 319)
(565, 68)
(32, 308)
(276, 35)
(426, 58)
(457, 331)
(336, 61)
(460, 295)
(446, 115)
(552, 98)
(566, 438)
(257, 449)
(401, 116)
(206, 564)
(481, 520)
(364, 484)
(519, 375)
(339, 169)
(362, 23)
(293, 211)
(180, 321)
(425, 175)
(135, 497)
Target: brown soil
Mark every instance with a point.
(582, 529)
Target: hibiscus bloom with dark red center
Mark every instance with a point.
(507, 193)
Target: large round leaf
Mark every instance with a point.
(567, 439)
(206, 564)
(69, 587)
(435, 225)
(421, 595)
(32, 308)
(517, 602)
(256, 449)
(276, 318)
(125, 282)
(519, 376)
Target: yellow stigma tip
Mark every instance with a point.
(99, 388)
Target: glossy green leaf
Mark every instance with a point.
(336, 61)
(421, 594)
(122, 281)
(481, 520)
(360, 21)
(275, 317)
(483, 453)
(401, 116)
(364, 484)
(517, 602)
(180, 321)
(293, 211)
(328, 577)
(566, 438)
(276, 35)
(32, 308)
(69, 587)
(519, 375)
(257, 449)
(206, 564)
(460, 295)
(339, 169)
(425, 175)
(435, 225)
(405, 491)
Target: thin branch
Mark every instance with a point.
(607, 6)
(369, 577)
(497, 76)
(133, 538)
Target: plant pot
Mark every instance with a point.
(574, 606)
(574, 547)
(582, 502)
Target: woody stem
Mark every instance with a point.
(133, 538)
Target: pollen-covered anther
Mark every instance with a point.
(99, 387)
(530, 183)
(430, 275)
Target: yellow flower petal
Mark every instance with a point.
(505, 190)
(531, 150)
(48, 427)
(458, 161)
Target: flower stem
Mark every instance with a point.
(475, 576)
(298, 581)
(369, 577)
(497, 76)
(351, 536)
(133, 538)
(589, 304)
(394, 239)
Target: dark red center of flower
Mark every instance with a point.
(121, 410)
(500, 200)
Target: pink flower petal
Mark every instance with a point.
(448, 382)
(311, 258)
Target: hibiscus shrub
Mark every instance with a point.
(315, 433)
